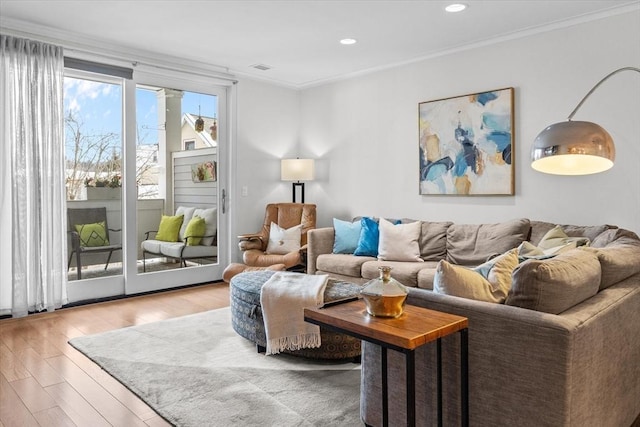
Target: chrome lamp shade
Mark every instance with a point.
(573, 148)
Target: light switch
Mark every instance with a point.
(245, 191)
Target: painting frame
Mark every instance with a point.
(204, 172)
(466, 144)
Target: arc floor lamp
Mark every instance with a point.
(575, 147)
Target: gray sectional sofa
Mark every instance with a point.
(564, 350)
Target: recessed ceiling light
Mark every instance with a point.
(348, 41)
(456, 7)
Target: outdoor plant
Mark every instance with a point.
(115, 181)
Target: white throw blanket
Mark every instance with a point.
(283, 298)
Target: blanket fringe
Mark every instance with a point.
(296, 342)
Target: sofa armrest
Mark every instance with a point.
(580, 365)
(148, 233)
(319, 241)
(250, 241)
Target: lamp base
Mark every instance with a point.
(293, 188)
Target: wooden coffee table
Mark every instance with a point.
(417, 326)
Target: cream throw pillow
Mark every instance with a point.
(399, 242)
(556, 241)
(489, 282)
(282, 241)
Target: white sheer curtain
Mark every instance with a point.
(32, 214)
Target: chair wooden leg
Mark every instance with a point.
(144, 261)
(70, 258)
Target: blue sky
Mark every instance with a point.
(99, 106)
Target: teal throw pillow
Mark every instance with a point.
(347, 235)
(369, 238)
(92, 235)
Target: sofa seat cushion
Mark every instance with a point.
(404, 272)
(557, 284)
(200, 251)
(152, 246)
(426, 277)
(343, 264)
(175, 249)
(473, 244)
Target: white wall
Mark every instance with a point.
(267, 130)
(364, 131)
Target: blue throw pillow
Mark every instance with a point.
(369, 237)
(347, 235)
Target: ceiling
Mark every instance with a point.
(298, 40)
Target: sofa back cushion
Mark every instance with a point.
(473, 244)
(540, 228)
(618, 251)
(210, 217)
(557, 284)
(433, 240)
(187, 213)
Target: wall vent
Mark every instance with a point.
(261, 67)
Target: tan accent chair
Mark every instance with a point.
(286, 215)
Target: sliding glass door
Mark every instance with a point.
(93, 124)
(181, 138)
(140, 153)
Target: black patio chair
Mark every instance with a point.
(89, 231)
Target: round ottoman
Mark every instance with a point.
(247, 321)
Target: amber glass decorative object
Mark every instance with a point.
(384, 296)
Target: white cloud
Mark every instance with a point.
(73, 105)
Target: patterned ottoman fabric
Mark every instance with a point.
(247, 321)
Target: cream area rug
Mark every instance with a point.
(196, 371)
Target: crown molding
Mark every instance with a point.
(91, 48)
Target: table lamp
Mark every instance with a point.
(297, 170)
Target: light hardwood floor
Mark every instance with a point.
(46, 382)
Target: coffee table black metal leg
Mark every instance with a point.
(385, 389)
(410, 357)
(439, 379)
(464, 373)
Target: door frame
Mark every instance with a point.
(224, 90)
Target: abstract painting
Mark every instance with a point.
(466, 144)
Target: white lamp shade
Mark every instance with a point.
(297, 170)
